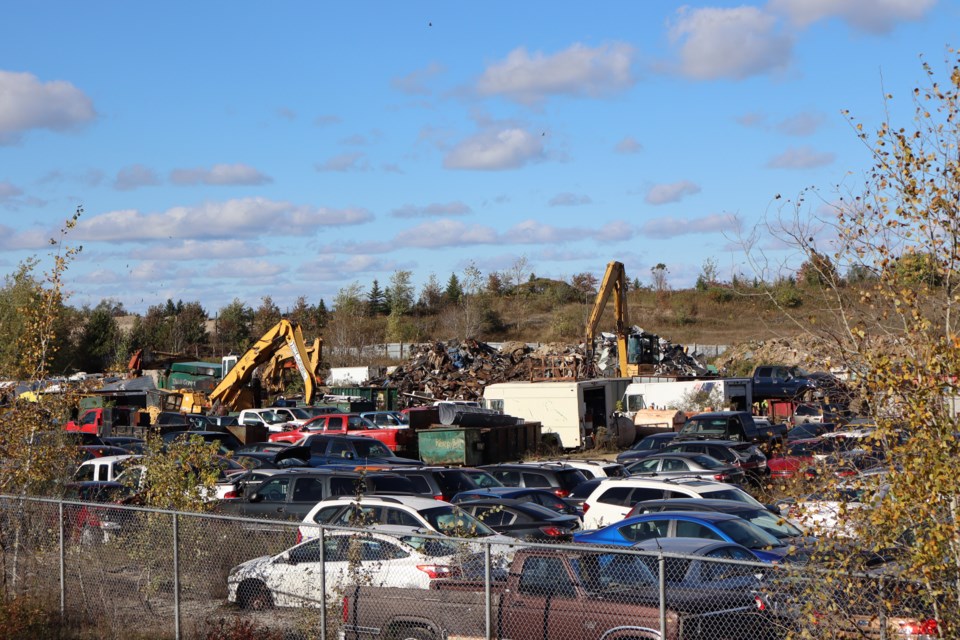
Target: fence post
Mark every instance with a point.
(63, 571)
(486, 590)
(662, 563)
(883, 617)
(176, 576)
(323, 586)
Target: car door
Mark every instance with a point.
(271, 499)
(307, 492)
(294, 576)
(693, 529)
(645, 530)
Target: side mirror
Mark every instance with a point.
(256, 497)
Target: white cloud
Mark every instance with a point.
(569, 200)
(220, 174)
(494, 150)
(872, 16)
(415, 83)
(245, 268)
(239, 218)
(27, 103)
(325, 120)
(327, 268)
(432, 210)
(752, 119)
(729, 43)
(445, 233)
(9, 191)
(670, 227)
(134, 177)
(801, 158)
(673, 192)
(615, 231)
(577, 71)
(802, 124)
(534, 232)
(628, 145)
(205, 250)
(344, 162)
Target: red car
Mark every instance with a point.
(346, 424)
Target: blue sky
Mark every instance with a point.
(229, 150)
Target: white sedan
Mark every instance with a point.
(292, 578)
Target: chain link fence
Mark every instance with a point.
(112, 571)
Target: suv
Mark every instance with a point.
(559, 478)
(292, 494)
(654, 443)
(268, 418)
(334, 449)
(613, 498)
(404, 511)
(442, 483)
(594, 468)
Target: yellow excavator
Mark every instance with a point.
(637, 353)
(278, 346)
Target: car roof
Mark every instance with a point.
(552, 466)
(704, 516)
(109, 459)
(519, 505)
(633, 481)
(691, 546)
(674, 454)
(84, 484)
(705, 504)
(503, 491)
(413, 501)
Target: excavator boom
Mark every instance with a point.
(232, 391)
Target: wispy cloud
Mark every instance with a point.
(569, 200)
(344, 162)
(577, 71)
(871, 16)
(671, 227)
(672, 192)
(628, 144)
(415, 82)
(801, 158)
(134, 177)
(220, 174)
(436, 209)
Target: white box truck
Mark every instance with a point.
(574, 411)
(689, 395)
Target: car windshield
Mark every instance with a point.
(706, 425)
(649, 444)
(372, 449)
(571, 478)
(431, 546)
(732, 494)
(300, 414)
(598, 571)
(271, 417)
(482, 479)
(779, 527)
(456, 522)
(707, 462)
(749, 535)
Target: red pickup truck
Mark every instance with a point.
(555, 595)
(348, 424)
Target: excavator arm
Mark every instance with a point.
(615, 282)
(283, 359)
(232, 391)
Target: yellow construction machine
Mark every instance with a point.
(280, 345)
(637, 353)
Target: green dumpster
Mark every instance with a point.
(451, 446)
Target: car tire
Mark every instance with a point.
(254, 595)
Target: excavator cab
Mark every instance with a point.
(643, 348)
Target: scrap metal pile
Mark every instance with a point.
(456, 370)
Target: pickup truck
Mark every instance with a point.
(349, 424)
(555, 595)
(734, 425)
(771, 382)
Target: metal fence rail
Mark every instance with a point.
(114, 571)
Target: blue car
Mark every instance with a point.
(689, 524)
(542, 497)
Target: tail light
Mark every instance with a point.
(586, 507)
(561, 493)
(230, 494)
(438, 497)
(435, 571)
(553, 532)
(300, 539)
(759, 603)
(346, 609)
(721, 477)
(919, 628)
